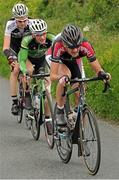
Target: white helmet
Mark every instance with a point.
(38, 26)
(19, 10)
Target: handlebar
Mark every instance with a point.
(96, 78)
(42, 75)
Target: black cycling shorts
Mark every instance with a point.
(38, 62)
(74, 68)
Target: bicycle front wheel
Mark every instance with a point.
(20, 112)
(37, 118)
(63, 141)
(49, 123)
(90, 141)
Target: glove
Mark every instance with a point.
(103, 75)
(26, 77)
(11, 59)
(63, 80)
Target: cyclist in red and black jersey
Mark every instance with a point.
(16, 29)
(66, 54)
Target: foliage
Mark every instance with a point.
(102, 17)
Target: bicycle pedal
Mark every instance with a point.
(29, 117)
(56, 137)
(62, 129)
(71, 126)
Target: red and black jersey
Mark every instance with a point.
(59, 52)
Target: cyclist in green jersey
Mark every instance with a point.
(31, 56)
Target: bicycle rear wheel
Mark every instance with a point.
(90, 141)
(63, 142)
(49, 125)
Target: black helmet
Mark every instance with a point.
(71, 36)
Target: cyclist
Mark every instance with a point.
(67, 51)
(16, 28)
(31, 56)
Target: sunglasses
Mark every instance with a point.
(22, 21)
(40, 34)
(72, 47)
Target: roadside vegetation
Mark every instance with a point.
(102, 18)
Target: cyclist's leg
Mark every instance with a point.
(75, 71)
(62, 71)
(48, 89)
(30, 69)
(14, 88)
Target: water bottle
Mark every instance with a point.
(36, 102)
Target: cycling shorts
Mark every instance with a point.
(38, 62)
(74, 68)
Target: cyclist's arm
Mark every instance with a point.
(7, 39)
(22, 57)
(7, 36)
(6, 47)
(90, 53)
(96, 66)
(11, 57)
(50, 36)
(23, 53)
(6, 43)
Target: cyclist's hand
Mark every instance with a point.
(12, 60)
(63, 80)
(104, 76)
(26, 76)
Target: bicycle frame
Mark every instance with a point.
(40, 84)
(81, 89)
(40, 95)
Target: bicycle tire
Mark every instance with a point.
(90, 141)
(20, 113)
(49, 135)
(36, 121)
(63, 143)
(27, 119)
(20, 101)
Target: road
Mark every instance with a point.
(21, 157)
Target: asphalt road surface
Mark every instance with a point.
(21, 157)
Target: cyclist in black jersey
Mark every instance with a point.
(16, 28)
(32, 52)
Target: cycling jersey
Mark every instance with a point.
(59, 52)
(32, 50)
(16, 34)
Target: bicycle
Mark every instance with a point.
(21, 98)
(83, 131)
(39, 94)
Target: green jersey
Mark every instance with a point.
(32, 49)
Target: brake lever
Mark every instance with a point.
(64, 92)
(106, 86)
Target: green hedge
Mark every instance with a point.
(102, 17)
